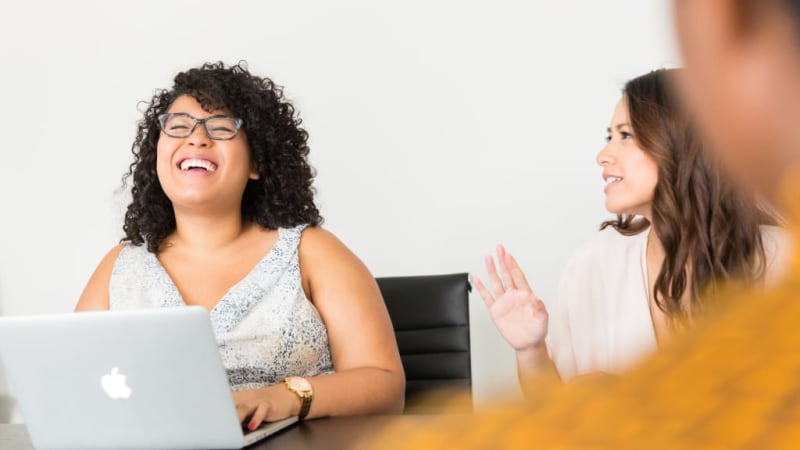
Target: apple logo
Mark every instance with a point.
(114, 385)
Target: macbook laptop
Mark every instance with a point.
(134, 379)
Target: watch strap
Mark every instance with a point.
(304, 407)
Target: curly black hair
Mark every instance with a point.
(282, 196)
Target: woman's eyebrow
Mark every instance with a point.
(618, 126)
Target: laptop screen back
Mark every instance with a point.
(138, 379)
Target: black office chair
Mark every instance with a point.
(430, 315)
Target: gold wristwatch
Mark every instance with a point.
(302, 388)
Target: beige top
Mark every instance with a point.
(600, 320)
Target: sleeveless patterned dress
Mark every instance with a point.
(266, 328)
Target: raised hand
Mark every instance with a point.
(516, 311)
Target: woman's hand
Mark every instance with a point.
(267, 404)
(516, 311)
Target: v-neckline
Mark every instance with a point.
(646, 278)
(176, 293)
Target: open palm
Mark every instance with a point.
(517, 313)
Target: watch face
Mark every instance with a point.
(299, 383)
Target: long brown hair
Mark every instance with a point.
(708, 226)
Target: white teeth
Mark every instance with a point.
(187, 164)
(610, 180)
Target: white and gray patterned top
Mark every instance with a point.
(266, 328)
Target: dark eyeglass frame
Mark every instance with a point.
(163, 118)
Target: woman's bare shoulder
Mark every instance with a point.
(95, 294)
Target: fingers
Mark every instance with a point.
(248, 410)
(494, 279)
(510, 277)
(502, 256)
(258, 416)
(485, 294)
(242, 411)
(516, 274)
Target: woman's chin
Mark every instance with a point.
(614, 208)
(619, 208)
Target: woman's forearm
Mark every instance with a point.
(363, 390)
(536, 370)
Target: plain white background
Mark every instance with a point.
(438, 128)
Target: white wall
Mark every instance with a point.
(438, 128)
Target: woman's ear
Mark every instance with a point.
(254, 175)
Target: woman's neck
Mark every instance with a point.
(207, 232)
(655, 250)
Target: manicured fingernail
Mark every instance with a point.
(252, 426)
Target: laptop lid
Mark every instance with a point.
(132, 379)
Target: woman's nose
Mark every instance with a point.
(604, 156)
(199, 136)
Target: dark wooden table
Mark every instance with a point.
(332, 433)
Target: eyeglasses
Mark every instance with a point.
(182, 125)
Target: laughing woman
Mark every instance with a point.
(681, 229)
(223, 216)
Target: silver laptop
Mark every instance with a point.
(135, 379)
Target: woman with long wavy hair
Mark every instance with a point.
(681, 229)
(223, 216)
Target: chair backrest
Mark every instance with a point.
(430, 315)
